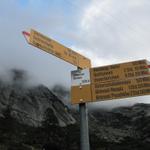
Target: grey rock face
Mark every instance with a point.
(122, 124)
(28, 104)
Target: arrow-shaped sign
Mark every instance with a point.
(53, 47)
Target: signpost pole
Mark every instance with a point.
(84, 130)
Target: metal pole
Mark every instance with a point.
(84, 130)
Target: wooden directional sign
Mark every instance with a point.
(112, 82)
(120, 71)
(121, 89)
(43, 42)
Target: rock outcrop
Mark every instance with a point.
(28, 104)
(123, 128)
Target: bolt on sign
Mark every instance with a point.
(51, 46)
(114, 82)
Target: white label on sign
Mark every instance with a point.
(80, 77)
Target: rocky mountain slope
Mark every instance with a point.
(33, 118)
(123, 128)
(29, 104)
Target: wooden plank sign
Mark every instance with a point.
(126, 70)
(121, 89)
(51, 46)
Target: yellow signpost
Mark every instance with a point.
(96, 84)
(51, 46)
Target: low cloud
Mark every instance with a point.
(18, 77)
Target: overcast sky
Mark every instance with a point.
(106, 31)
